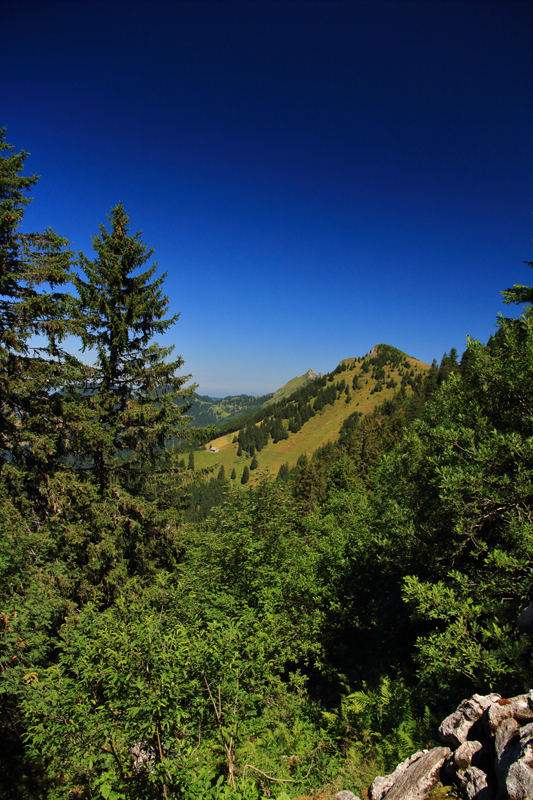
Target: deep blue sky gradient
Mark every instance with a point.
(316, 176)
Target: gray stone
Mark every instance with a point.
(530, 698)
(507, 731)
(144, 757)
(345, 795)
(494, 716)
(417, 781)
(526, 744)
(476, 785)
(525, 620)
(522, 711)
(519, 781)
(507, 747)
(454, 729)
(516, 707)
(382, 784)
(464, 754)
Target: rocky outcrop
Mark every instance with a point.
(455, 728)
(489, 754)
(413, 779)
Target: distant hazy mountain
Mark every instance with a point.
(214, 411)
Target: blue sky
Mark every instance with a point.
(316, 176)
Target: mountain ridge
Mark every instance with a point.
(313, 414)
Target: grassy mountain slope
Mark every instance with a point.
(207, 410)
(214, 411)
(320, 429)
(291, 386)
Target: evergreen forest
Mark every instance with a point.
(297, 634)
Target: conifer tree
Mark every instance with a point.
(245, 475)
(33, 410)
(221, 474)
(135, 395)
(283, 473)
(233, 474)
(519, 294)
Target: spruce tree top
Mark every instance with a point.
(33, 414)
(125, 311)
(518, 293)
(135, 392)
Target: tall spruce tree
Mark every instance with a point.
(135, 395)
(33, 409)
(35, 424)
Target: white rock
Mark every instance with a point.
(454, 729)
(382, 784)
(476, 785)
(519, 781)
(464, 754)
(417, 781)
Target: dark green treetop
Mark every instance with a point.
(33, 416)
(518, 293)
(134, 387)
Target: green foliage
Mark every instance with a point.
(155, 707)
(386, 354)
(461, 488)
(283, 472)
(202, 497)
(270, 642)
(133, 393)
(36, 420)
(519, 294)
(381, 723)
